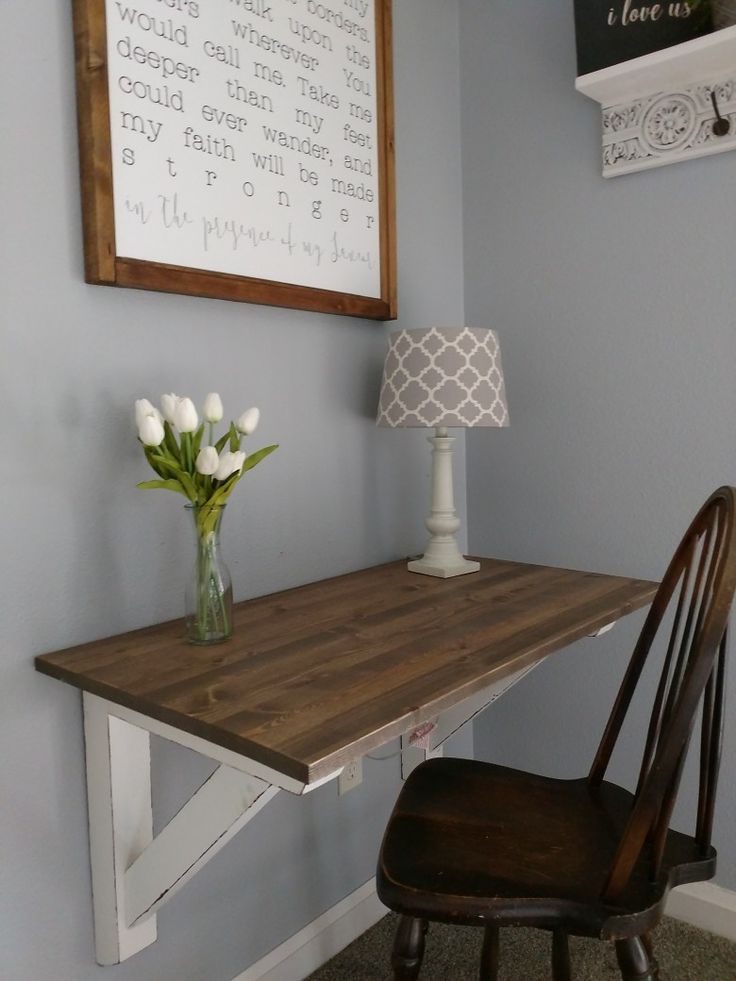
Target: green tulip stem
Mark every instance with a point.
(210, 615)
(186, 447)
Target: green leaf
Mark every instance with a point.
(202, 495)
(207, 518)
(189, 486)
(220, 444)
(255, 458)
(222, 493)
(197, 443)
(151, 456)
(171, 485)
(168, 468)
(170, 442)
(234, 438)
(163, 451)
(157, 460)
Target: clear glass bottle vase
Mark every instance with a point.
(209, 591)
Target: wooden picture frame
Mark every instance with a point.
(151, 90)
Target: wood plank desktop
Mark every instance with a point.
(324, 673)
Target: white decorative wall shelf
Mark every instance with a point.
(658, 109)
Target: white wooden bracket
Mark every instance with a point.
(417, 747)
(603, 630)
(426, 741)
(133, 873)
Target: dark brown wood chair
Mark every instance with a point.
(484, 845)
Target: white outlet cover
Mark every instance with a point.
(351, 776)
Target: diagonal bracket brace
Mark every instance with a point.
(133, 873)
(223, 805)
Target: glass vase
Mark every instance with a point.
(209, 592)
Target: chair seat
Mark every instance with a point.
(474, 843)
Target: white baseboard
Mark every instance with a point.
(308, 950)
(705, 905)
(702, 904)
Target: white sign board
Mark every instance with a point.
(249, 138)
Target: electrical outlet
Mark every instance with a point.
(351, 776)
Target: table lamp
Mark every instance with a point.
(443, 377)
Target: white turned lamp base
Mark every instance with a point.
(442, 557)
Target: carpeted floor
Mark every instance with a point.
(453, 953)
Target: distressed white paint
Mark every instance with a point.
(219, 754)
(120, 825)
(412, 756)
(223, 805)
(448, 723)
(603, 630)
(133, 873)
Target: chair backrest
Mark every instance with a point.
(690, 612)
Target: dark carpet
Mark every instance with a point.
(453, 954)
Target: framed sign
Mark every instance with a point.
(240, 149)
(611, 31)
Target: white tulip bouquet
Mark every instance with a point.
(205, 472)
(205, 475)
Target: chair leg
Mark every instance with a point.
(649, 946)
(408, 951)
(489, 956)
(561, 970)
(635, 959)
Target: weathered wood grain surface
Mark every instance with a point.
(323, 673)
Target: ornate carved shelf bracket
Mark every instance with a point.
(675, 104)
(668, 127)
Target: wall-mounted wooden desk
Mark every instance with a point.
(313, 678)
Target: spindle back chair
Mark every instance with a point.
(480, 844)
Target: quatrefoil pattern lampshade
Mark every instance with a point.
(443, 376)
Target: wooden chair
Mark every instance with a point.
(484, 845)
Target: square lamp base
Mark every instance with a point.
(427, 567)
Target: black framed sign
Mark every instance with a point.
(611, 31)
(240, 149)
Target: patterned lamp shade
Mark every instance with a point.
(443, 376)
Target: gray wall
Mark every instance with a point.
(86, 555)
(614, 301)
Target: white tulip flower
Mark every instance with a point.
(186, 419)
(168, 405)
(208, 460)
(151, 431)
(230, 463)
(213, 410)
(247, 423)
(144, 408)
(225, 466)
